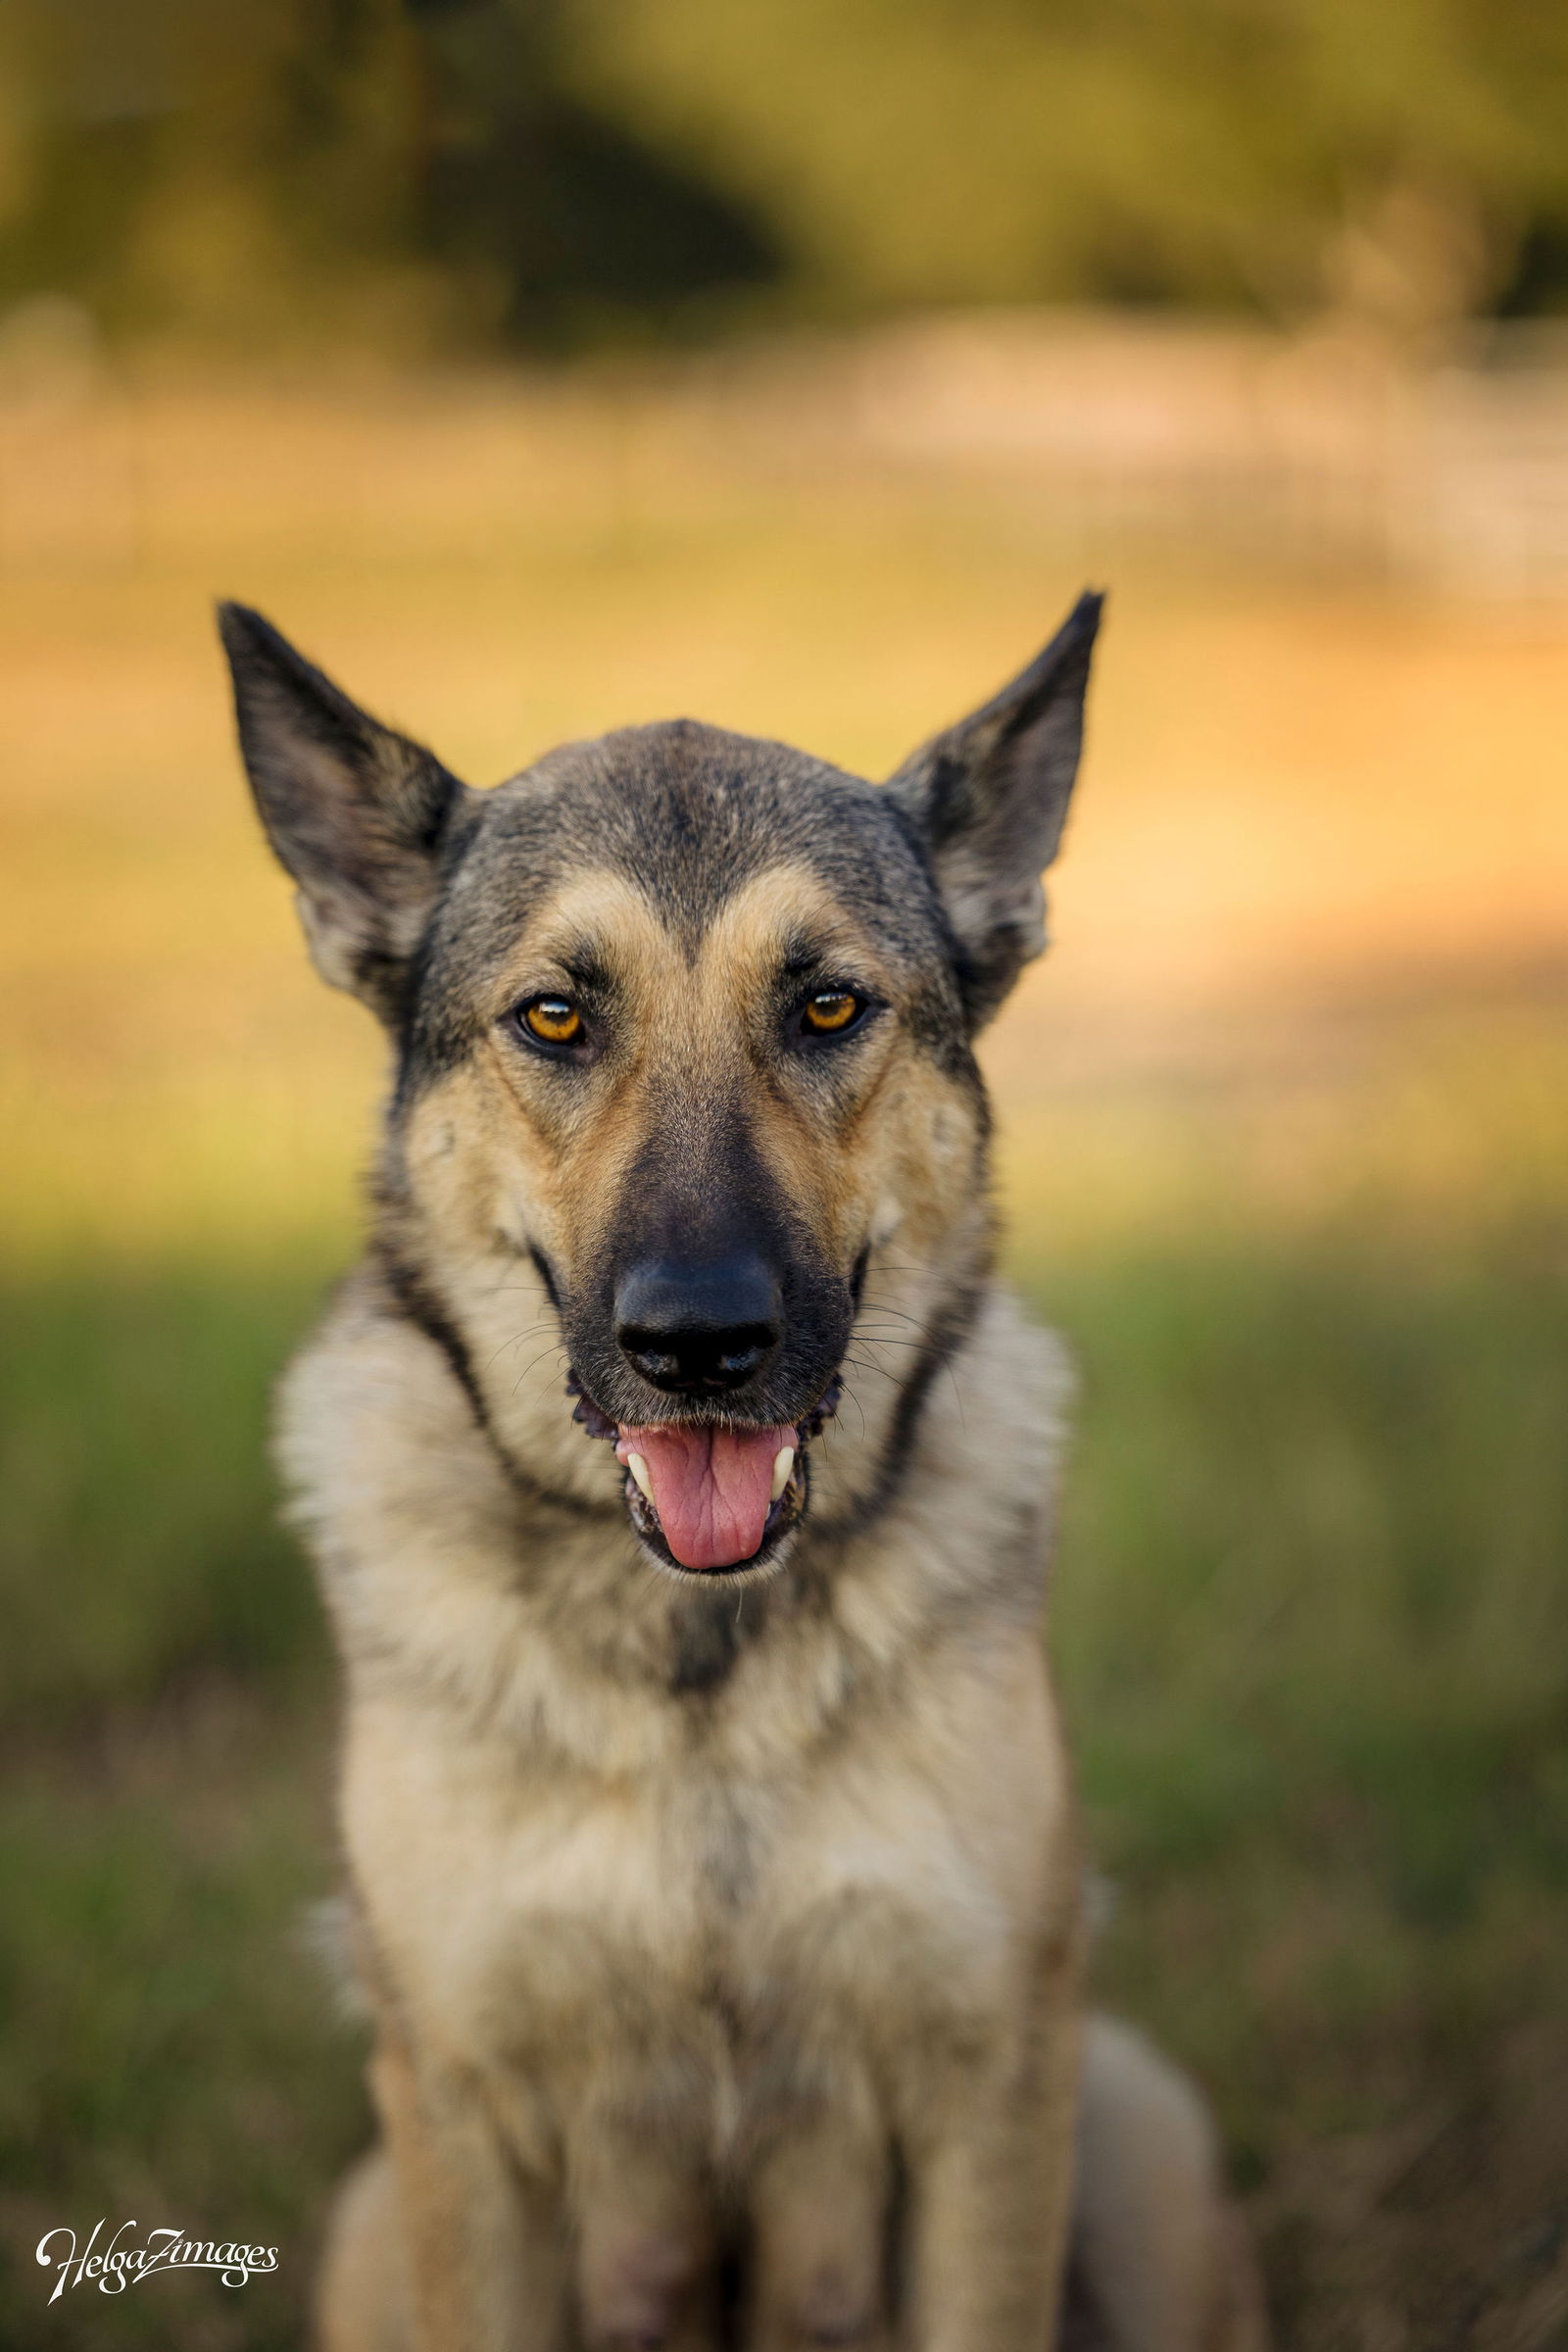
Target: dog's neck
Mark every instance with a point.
(434, 1553)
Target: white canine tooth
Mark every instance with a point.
(783, 1464)
(639, 1470)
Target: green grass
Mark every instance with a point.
(1310, 1619)
(170, 2055)
(139, 1544)
(1310, 1626)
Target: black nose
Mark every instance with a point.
(698, 1329)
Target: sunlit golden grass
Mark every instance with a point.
(1303, 812)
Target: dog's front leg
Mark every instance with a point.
(991, 2193)
(819, 2220)
(485, 2252)
(645, 2252)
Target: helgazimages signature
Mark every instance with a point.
(119, 2267)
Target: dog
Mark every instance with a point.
(680, 1483)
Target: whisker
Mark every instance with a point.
(856, 1401)
(516, 1342)
(558, 1349)
(542, 1390)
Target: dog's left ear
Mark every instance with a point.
(355, 813)
(987, 798)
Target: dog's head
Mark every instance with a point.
(686, 1107)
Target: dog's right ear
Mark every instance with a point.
(355, 813)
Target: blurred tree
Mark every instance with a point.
(248, 165)
(572, 215)
(550, 169)
(1288, 154)
(223, 162)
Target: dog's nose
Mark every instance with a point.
(699, 1329)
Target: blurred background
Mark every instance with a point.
(542, 364)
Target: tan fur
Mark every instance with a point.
(1163, 2256)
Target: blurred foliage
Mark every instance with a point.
(1278, 152)
(540, 170)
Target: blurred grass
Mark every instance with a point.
(1308, 1625)
(132, 1410)
(170, 2055)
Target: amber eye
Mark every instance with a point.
(834, 1009)
(554, 1020)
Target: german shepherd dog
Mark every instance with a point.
(680, 1483)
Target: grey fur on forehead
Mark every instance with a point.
(690, 813)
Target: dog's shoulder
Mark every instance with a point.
(371, 1425)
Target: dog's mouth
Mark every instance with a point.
(710, 1497)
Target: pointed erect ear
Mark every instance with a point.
(355, 813)
(987, 799)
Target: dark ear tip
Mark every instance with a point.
(244, 630)
(261, 657)
(1083, 618)
(1068, 656)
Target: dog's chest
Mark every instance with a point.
(725, 1920)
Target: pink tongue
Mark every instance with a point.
(711, 1486)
